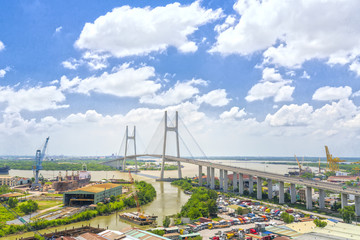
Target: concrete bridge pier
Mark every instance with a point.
(357, 205)
(226, 181)
(251, 184)
(200, 175)
(241, 183)
(235, 181)
(259, 188)
(344, 200)
(270, 189)
(321, 198)
(281, 193)
(212, 185)
(208, 176)
(293, 193)
(221, 178)
(308, 194)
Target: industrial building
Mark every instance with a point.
(91, 194)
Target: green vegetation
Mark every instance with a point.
(4, 189)
(158, 232)
(166, 222)
(320, 223)
(348, 213)
(29, 207)
(48, 204)
(239, 211)
(146, 193)
(202, 202)
(12, 202)
(287, 218)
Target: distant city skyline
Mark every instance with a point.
(248, 77)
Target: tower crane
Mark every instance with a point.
(332, 163)
(39, 157)
(300, 169)
(141, 216)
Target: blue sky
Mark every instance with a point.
(256, 78)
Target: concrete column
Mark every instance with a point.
(235, 181)
(259, 188)
(357, 205)
(226, 181)
(270, 189)
(208, 176)
(293, 193)
(321, 198)
(221, 178)
(241, 183)
(200, 175)
(344, 200)
(281, 193)
(251, 184)
(212, 178)
(308, 198)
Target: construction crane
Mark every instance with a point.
(141, 215)
(39, 157)
(23, 221)
(300, 169)
(319, 166)
(332, 163)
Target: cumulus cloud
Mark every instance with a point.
(124, 82)
(355, 67)
(291, 115)
(180, 92)
(215, 98)
(127, 31)
(271, 85)
(72, 63)
(32, 99)
(58, 29)
(92, 60)
(292, 32)
(332, 93)
(233, 113)
(2, 46)
(4, 71)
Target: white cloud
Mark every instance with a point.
(2, 46)
(72, 63)
(3, 72)
(271, 85)
(127, 31)
(215, 98)
(32, 99)
(292, 32)
(332, 93)
(234, 113)
(356, 94)
(180, 92)
(305, 75)
(92, 60)
(125, 82)
(291, 115)
(58, 29)
(355, 67)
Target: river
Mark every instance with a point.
(168, 201)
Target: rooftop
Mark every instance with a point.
(96, 188)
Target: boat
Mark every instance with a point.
(4, 170)
(139, 218)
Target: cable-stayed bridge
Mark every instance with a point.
(238, 172)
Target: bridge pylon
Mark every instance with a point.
(129, 138)
(171, 129)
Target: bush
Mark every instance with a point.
(12, 202)
(320, 223)
(29, 207)
(287, 218)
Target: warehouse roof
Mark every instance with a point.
(96, 188)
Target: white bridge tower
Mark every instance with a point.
(129, 138)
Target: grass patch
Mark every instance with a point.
(54, 195)
(7, 216)
(48, 204)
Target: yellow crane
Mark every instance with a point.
(300, 169)
(319, 166)
(332, 163)
(141, 215)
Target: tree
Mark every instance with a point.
(112, 198)
(239, 211)
(336, 206)
(287, 218)
(348, 213)
(320, 223)
(29, 207)
(13, 202)
(166, 222)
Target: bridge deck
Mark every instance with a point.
(277, 177)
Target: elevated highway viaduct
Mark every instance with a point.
(238, 180)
